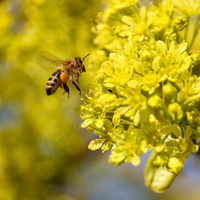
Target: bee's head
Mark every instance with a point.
(80, 64)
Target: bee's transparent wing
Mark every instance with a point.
(47, 60)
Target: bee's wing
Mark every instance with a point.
(46, 60)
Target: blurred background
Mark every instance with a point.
(43, 150)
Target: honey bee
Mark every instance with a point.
(67, 70)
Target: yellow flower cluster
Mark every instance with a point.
(147, 96)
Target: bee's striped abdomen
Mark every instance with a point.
(53, 82)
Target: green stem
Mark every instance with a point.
(196, 27)
(126, 121)
(196, 133)
(136, 7)
(165, 110)
(187, 28)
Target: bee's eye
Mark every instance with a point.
(80, 61)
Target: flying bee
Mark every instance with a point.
(67, 70)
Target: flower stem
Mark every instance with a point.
(196, 27)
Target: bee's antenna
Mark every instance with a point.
(86, 56)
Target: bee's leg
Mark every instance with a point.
(76, 83)
(75, 79)
(77, 86)
(66, 88)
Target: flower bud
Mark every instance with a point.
(175, 111)
(195, 56)
(175, 165)
(180, 22)
(154, 101)
(169, 91)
